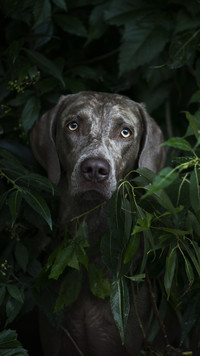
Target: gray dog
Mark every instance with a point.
(87, 143)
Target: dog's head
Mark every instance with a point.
(95, 139)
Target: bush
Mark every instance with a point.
(149, 51)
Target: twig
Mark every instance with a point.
(72, 340)
(155, 308)
(96, 59)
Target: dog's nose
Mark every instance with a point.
(95, 169)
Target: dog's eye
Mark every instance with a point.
(72, 126)
(125, 133)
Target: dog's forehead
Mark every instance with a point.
(102, 106)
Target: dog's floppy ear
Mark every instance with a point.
(43, 144)
(152, 156)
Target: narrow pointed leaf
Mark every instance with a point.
(14, 203)
(39, 205)
(120, 306)
(169, 271)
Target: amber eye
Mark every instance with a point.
(125, 133)
(72, 126)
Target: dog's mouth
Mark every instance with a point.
(92, 193)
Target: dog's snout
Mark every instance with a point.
(95, 169)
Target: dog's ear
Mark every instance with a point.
(42, 140)
(152, 156)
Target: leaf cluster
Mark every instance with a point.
(148, 50)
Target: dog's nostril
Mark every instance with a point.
(95, 169)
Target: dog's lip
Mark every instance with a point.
(92, 193)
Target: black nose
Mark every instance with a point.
(95, 169)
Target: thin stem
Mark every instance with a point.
(155, 308)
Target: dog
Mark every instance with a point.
(87, 143)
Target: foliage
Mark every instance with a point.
(9, 346)
(148, 50)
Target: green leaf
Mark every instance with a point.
(99, 284)
(142, 41)
(169, 271)
(46, 65)
(179, 143)
(189, 270)
(15, 292)
(163, 179)
(97, 25)
(39, 205)
(186, 21)
(37, 181)
(120, 306)
(132, 248)
(2, 294)
(13, 307)
(137, 277)
(189, 250)
(41, 11)
(71, 25)
(30, 113)
(146, 173)
(61, 4)
(195, 97)
(14, 203)
(3, 198)
(194, 123)
(64, 257)
(69, 289)
(9, 345)
(194, 191)
(21, 255)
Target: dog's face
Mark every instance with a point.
(97, 138)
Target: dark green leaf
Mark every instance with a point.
(14, 203)
(142, 41)
(30, 113)
(36, 180)
(189, 270)
(39, 205)
(46, 65)
(13, 307)
(9, 345)
(186, 21)
(163, 179)
(194, 191)
(120, 306)
(179, 143)
(3, 198)
(169, 271)
(21, 255)
(196, 262)
(147, 173)
(97, 25)
(132, 248)
(194, 123)
(71, 25)
(195, 97)
(15, 292)
(99, 284)
(69, 289)
(64, 257)
(2, 294)
(41, 11)
(61, 4)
